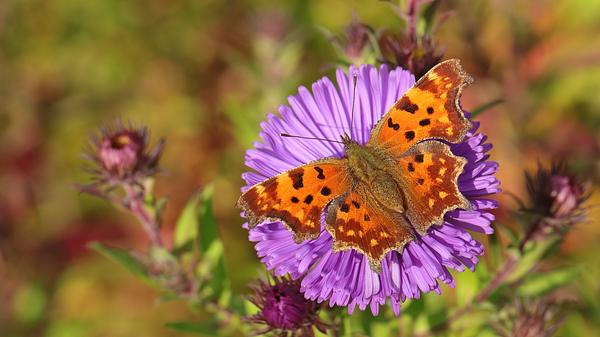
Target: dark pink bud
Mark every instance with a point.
(121, 152)
(284, 310)
(534, 318)
(566, 195)
(357, 38)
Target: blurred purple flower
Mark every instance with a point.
(284, 310)
(345, 278)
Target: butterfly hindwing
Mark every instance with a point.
(429, 110)
(357, 222)
(297, 197)
(428, 174)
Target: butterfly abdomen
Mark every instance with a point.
(374, 177)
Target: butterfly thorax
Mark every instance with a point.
(373, 175)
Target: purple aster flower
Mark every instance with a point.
(344, 278)
(284, 310)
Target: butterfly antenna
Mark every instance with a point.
(355, 77)
(287, 135)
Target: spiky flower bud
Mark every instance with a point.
(417, 54)
(531, 318)
(357, 38)
(353, 45)
(410, 49)
(284, 310)
(566, 194)
(556, 196)
(120, 153)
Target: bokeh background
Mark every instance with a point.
(203, 74)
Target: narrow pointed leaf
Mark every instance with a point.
(539, 284)
(123, 258)
(196, 328)
(482, 108)
(186, 228)
(208, 225)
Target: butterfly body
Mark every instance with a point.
(381, 195)
(372, 172)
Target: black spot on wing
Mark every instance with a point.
(297, 178)
(320, 172)
(406, 105)
(392, 125)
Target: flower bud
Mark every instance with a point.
(120, 154)
(566, 195)
(357, 37)
(284, 310)
(535, 318)
(353, 45)
(418, 54)
(556, 201)
(556, 195)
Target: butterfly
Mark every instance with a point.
(382, 195)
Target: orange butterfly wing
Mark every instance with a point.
(297, 197)
(354, 222)
(429, 110)
(428, 173)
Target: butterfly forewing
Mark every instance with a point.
(428, 173)
(430, 109)
(297, 197)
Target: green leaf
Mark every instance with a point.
(428, 16)
(468, 286)
(482, 108)
(249, 307)
(159, 208)
(197, 328)
(29, 303)
(540, 284)
(413, 308)
(208, 225)
(123, 258)
(530, 258)
(212, 268)
(346, 325)
(186, 228)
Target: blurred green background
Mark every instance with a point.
(203, 74)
